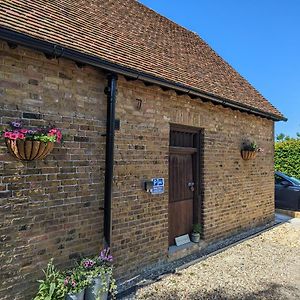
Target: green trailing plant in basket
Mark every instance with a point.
(16, 131)
(27, 144)
(251, 146)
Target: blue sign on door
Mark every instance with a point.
(158, 186)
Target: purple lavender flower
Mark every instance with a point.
(105, 256)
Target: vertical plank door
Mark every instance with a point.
(181, 196)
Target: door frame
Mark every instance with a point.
(197, 161)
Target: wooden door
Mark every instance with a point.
(184, 170)
(181, 195)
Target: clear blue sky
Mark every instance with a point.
(259, 38)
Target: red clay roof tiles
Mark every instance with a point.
(129, 34)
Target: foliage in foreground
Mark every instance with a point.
(52, 287)
(57, 284)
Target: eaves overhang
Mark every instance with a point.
(56, 50)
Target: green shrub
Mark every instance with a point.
(287, 157)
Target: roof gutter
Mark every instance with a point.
(58, 51)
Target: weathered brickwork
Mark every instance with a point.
(50, 208)
(237, 194)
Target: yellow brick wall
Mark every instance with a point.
(51, 208)
(237, 194)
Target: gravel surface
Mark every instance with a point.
(264, 267)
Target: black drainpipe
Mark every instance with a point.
(110, 91)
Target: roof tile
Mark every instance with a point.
(129, 34)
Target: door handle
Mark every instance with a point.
(191, 186)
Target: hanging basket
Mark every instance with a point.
(27, 150)
(247, 155)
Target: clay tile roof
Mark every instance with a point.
(127, 33)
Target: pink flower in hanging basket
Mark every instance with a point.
(13, 136)
(58, 136)
(43, 134)
(30, 143)
(53, 131)
(7, 134)
(24, 131)
(21, 136)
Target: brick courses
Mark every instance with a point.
(237, 194)
(51, 208)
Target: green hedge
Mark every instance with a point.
(287, 157)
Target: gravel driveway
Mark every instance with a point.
(264, 267)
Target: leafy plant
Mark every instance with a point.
(100, 266)
(287, 157)
(90, 267)
(52, 287)
(57, 285)
(75, 281)
(16, 131)
(197, 228)
(251, 146)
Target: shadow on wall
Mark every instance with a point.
(270, 292)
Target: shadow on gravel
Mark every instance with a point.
(271, 292)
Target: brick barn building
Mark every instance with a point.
(139, 97)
